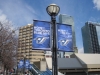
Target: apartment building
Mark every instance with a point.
(25, 45)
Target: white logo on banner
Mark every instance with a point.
(41, 40)
(64, 42)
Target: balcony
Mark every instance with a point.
(24, 29)
(23, 51)
(31, 27)
(20, 31)
(19, 51)
(27, 37)
(27, 45)
(27, 51)
(18, 58)
(31, 37)
(28, 29)
(27, 54)
(31, 34)
(24, 33)
(31, 31)
(38, 51)
(20, 36)
(35, 53)
(28, 32)
(23, 39)
(27, 57)
(23, 48)
(37, 57)
(34, 60)
(30, 46)
(30, 43)
(24, 36)
(27, 41)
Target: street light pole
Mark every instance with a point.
(53, 10)
(24, 64)
(54, 48)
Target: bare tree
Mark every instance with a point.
(8, 45)
(0, 26)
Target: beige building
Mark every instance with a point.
(25, 45)
(78, 64)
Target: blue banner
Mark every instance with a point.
(24, 64)
(64, 37)
(27, 63)
(41, 35)
(20, 65)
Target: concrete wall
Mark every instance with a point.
(43, 65)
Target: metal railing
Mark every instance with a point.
(34, 70)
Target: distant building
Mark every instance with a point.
(66, 19)
(91, 37)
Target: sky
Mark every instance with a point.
(23, 12)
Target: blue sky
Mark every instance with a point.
(22, 12)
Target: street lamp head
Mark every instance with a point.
(53, 10)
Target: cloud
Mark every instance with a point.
(5, 21)
(94, 19)
(19, 12)
(97, 4)
(81, 50)
(3, 17)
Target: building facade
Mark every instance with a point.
(25, 45)
(91, 37)
(66, 19)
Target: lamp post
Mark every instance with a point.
(53, 11)
(24, 63)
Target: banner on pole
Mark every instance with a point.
(20, 65)
(64, 37)
(27, 64)
(41, 35)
